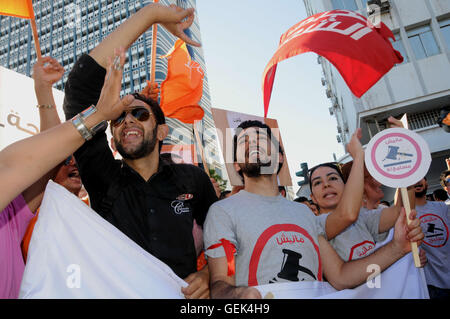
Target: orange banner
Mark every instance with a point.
(183, 87)
(17, 8)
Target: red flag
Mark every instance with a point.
(17, 8)
(361, 52)
(183, 87)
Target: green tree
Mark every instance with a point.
(222, 182)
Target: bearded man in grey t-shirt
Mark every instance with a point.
(258, 237)
(435, 222)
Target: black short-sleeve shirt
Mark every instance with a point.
(157, 214)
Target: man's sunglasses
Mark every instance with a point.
(68, 160)
(139, 113)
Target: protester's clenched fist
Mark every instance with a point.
(354, 148)
(151, 90)
(176, 20)
(46, 72)
(406, 233)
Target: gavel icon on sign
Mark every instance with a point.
(393, 153)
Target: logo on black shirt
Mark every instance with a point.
(185, 197)
(178, 207)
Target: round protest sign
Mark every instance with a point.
(397, 157)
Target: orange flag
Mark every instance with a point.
(183, 87)
(17, 8)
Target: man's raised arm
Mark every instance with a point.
(24, 162)
(127, 33)
(86, 78)
(46, 72)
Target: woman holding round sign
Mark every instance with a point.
(355, 237)
(399, 158)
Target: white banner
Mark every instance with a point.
(400, 281)
(19, 117)
(75, 253)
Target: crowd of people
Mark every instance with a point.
(226, 242)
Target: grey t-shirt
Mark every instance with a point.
(357, 240)
(435, 222)
(275, 239)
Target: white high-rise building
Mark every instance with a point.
(69, 28)
(420, 86)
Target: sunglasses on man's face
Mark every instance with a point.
(68, 160)
(139, 113)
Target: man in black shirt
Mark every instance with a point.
(151, 201)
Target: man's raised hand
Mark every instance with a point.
(46, 72)
(176, 20)
(354, 147)
(109, 104)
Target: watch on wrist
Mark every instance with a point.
(102, 126)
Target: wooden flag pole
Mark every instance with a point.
(36, 38)
(154, 43)
(200, 146)
(406, 204)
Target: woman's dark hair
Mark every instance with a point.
(440, 194)
(301, 199)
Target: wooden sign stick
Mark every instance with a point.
(406, 204)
